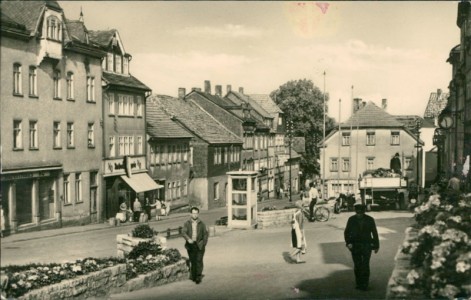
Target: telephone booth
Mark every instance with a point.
(242, 199)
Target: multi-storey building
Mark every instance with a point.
(50, 117)
(168, 156)
(367, 141)
(214, 151)
(125, 176)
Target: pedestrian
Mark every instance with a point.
(158, 209)
(281, 192)
(168, 204)
(2, 220)
(195, 234)
(298, 238)
(137, 208)
(361, 237)
(147, 208)
(313, 195)
(395, 164)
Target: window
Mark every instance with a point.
(78, 187)
(57, 84)
(17, 84)
(90, 89)
(112, 146)
(70, 85)
(158, 154)
(118, 66)
(139, 145)
(395, 138)
(131, 106)
(185, 153)
(70, 135)
(139, 106)
(57, 134)
(346, 165)
(91, 135)
(33, 134)
(370, 138)
(336, 187)
(125, 65)
(345, 138)
(33, 81)
(111, 104)
(120, 105)
(66, 189)
(131, 145)
(280, 120)
(408, 163)
(121, 145)
(370, 163)
(17, 135)
(217, 155)
(185, 187)
(110, 61)
(334, 165)
(178, 191)
(54, 29)
(216, 191)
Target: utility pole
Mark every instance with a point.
(290, 136)
(418, 124)
(324, 193)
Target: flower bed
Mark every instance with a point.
(439, 254)
(144, 258)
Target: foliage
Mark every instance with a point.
(144, 249)
(22, 279)
(143, 231)
(441, 255)
(302, 103)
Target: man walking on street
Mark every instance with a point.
(195, 234)
(313, 195)
(361, 237)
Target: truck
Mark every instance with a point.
(383, 189)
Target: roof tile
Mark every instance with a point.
(160, 124)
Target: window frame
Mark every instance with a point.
(33, 135)
(70, 86)
(70, 135)
(370, 138)
(91, 89)
(66, 186)
(56, 78)
(54, 28)
(334, 164)
(91, 135)
(370, 166)
(56, 135)
(33, 81)
(395, 135)
(78, 188)
(216, 191)
(112, 146)
(17, 134)
(346, 138)
(17, 79)
(346, 164)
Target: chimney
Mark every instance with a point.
(439, 93)
(218, 90)
(207, 86)
(181, 93)
(356, 104)
(241, 90)
(229, 88)
(384, 104)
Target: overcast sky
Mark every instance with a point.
(393, 50)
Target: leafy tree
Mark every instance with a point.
(302, 103)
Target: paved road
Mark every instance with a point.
(249, 264)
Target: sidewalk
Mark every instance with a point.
(222, 211)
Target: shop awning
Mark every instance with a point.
(141, 182)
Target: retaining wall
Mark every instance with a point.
(275, 218)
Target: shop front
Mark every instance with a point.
(125, 180)
(29, 197)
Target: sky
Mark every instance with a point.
(391, 50)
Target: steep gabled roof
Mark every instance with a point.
(372, 116)
(124, 80)
(160, 124)
(436, 103)
(223, 102)
(106, 37)
(27, 13)
(254, 104)
(77, 30)
(196, 120)
(266, 102)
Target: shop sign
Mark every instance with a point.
(126, 165)
(25, 175)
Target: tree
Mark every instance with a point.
(302, 103)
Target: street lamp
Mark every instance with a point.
(290, 137)
(418, 125)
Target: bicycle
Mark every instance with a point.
(321, 212)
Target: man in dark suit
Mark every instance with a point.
(395, 164)
(195, 234)
(361, 237)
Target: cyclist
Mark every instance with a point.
(313, 195)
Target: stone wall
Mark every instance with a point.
(398, 287)
(175, 272)
(96, 284)
(125, 243)
(109, 281)
(275, 218)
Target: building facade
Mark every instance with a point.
(50, 118)
(124, 162)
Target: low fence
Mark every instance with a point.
(275, 218)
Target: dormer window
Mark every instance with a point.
(54, 28)
(125, 65)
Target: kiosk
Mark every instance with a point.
(242, 204)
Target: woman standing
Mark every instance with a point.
(298, 239)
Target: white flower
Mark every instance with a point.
(449, 291)
(28, 285)
(412, 276)
(21, 282)
(462, 267)
(76, 268)
(456, 219)
(14, 286)
(45, 269)
(32, 277)
(149, 256)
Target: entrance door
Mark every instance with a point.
(93, 205)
